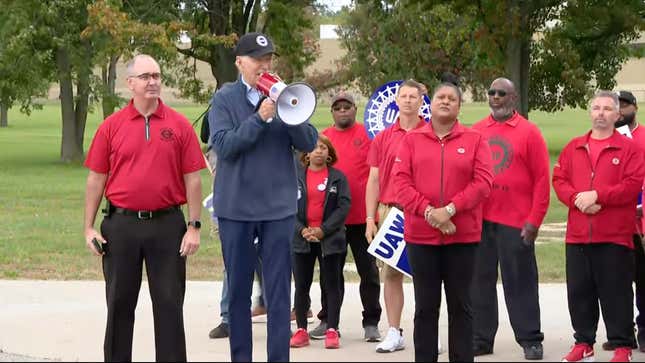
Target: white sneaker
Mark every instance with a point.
(393, 341)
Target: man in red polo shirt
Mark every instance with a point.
(352, 145)
(382, 194)
(146, 159)
(598, 176)
(512, 216)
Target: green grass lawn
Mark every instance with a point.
(41, 199)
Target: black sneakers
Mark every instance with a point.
(221, 331)
(534, 351)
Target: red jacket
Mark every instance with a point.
(429, 171)
(617, 177)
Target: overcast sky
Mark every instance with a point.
(335, 5)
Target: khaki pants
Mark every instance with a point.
(387, 272)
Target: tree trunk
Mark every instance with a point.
(82, 94)
(110, 99)
(517, 56)
(4, 116)
(69, 150)
(224, 69)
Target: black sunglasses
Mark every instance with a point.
(500, 92)
(344, 107)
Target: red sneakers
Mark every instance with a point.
(299, 339)
(622, 354)
(332, 340)
(580, 353)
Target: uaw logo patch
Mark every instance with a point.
(167, 134)
(381, 110)
(502, 153)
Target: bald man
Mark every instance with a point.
(512, 216)
(146, 160)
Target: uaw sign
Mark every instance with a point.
(388, 244)
(381, 110)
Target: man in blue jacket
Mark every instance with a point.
(255, 195)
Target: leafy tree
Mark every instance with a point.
(119, 29)
(555, 52)
(22, 77)
(389, 40)
(214, 27)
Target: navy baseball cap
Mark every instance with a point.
(254, 45)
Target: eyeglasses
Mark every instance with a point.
(344, 107)
(146, 77)
(500, 92)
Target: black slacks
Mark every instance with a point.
(370, 285)
(453, 265)
(503, 245)
(131, 242)
(601, 273)
(331, 266)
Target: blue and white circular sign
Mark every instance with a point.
(381, 110)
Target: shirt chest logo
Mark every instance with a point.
(358, 142)
(615, 161)
(502, 153)
(461, 150)
(167, 134)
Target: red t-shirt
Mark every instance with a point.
(352, 146)
(145, 170)
(595, 146)
(520, 158)
(316, 188)
(382, 155)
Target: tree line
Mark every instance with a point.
(557, 52)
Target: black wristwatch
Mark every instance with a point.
(196, 224)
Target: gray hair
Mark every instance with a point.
(130, 65)
(607, 94)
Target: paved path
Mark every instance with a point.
(64, 320)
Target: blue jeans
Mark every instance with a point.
(224, 300)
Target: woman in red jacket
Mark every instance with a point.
(443, 173)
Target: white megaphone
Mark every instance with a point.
(295, 103)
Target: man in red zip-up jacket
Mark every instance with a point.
(598, 176)
(443, 174)
(521, 168)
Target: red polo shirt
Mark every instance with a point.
(382, 154)
(145, 172)
(521, 166)
(352, 146)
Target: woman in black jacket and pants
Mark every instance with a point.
(323, 205)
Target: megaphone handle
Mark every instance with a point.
(257, 107)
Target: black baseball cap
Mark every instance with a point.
(627, 96)
(254, 45)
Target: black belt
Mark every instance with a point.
(145, 214)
